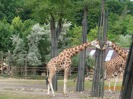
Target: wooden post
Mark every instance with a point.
(127, 84)
(81, 66)
(98, 79)
(1, 62)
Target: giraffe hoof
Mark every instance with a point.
(65, 95)
(110, 92)
(49, 95)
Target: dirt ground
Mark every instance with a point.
(39, 88)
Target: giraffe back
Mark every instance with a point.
(114, 66)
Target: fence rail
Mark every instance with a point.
(34, 72)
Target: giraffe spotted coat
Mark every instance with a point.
(63, 62)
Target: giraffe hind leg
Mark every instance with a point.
(48, 90)
(50, 86)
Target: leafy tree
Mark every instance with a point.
(10, 9)
(74, 35)
(124, 41)
(17, 26)
(93, 13)
(5, 33)
(128, 22)
(34, 57)
(19, 52)
(92, 34)
(54, 11)
(115, 6)
(129, 7)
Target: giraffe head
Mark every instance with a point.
(107, 44)
(96, 44)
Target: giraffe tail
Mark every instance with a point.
(47, 77)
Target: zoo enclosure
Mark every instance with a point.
(39, 72)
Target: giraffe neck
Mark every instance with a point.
(120, 51)
(75, 50)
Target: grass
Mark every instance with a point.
(11, 94)
(18, 95)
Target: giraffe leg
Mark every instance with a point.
(66, 73)
(50, 86)
(116, 80)
(48, 89)
(109, 86)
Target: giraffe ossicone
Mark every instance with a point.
(63, 62)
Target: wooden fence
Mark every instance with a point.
(37, 72)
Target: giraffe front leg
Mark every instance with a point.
(66, 72)
(109, 86)
(116, 80)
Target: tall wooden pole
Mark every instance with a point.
(81, 66)
(98, 79)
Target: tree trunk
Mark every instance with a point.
(81, 66)
(25, 68)
(1, 62)
(127, 84)
(55, 32)
(98, 78)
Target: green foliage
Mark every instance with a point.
(129, 7)
(74, 35)
(17, 25)
(112, 37)
(42, 10)
(115, 6)
(128, 22)
(122, 26)
(34, 37)
(92, 34)
(90, 61)
(10, 9)
(18, 16)
(124, 41)
(19, 52)
(5, 33)
(93, 13)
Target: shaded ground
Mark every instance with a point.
(38, 87)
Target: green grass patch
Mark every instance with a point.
(18, 95)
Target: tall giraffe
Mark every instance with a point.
(63, 62)
(114, 67)
(110, 65)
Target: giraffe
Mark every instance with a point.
(63, 62)
(118, 49)
(118, 62)
(114, 67)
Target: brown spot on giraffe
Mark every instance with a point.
(63, 61)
